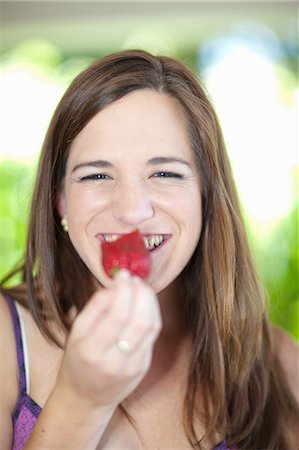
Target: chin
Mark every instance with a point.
(158, 286)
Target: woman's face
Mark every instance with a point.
(132, 167)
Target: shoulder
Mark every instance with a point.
(7, 339)
(287, 353)
(8, 354)
(8, 373)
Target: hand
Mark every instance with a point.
(93, 367)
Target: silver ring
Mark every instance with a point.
(124, 346)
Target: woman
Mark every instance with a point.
(184, 359)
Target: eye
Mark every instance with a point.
(95, 176)
(167, 174)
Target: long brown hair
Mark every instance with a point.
(232, 347)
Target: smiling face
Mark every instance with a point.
(132, 167)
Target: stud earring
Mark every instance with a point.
(64, 224)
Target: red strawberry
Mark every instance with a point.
(127, 252)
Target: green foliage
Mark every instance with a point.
(16, 188)
(278, 262)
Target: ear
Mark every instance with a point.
(61, 204)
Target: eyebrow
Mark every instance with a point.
(99, 163)
(163, 160)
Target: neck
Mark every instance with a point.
(171, 301)
(172, 348)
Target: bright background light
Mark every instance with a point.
(260, 119)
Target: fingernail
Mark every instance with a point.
(123, 274)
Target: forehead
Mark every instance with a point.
(143, 120)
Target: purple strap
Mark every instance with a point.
(26, 410)
(223, 446)
(19, 344)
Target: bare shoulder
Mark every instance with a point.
(287, 351)
(8, 374)
(8, 355)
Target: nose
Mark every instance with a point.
(132, 204)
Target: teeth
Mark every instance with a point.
(153, 241)
(110, 237)
(157, 241)
(150, 242)
(146, 243)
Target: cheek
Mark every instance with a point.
(189, 208)
(191, 216)
(82, 203)
(196, 215)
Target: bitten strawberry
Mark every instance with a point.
(127, 252)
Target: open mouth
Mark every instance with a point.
(151, 241)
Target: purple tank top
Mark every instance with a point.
(26, 411)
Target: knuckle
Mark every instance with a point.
(119, 320)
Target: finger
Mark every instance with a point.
(99, 306)
(147, 314)
(95, 309)
(109, 326)
(145, 322)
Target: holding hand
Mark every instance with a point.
(110, 346)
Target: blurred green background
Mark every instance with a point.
(246, 53)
